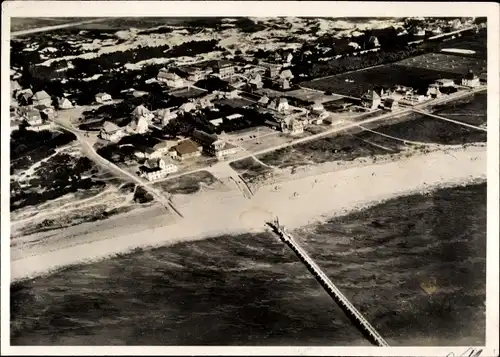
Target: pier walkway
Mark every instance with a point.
(366, 328)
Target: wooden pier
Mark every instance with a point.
(366, 328)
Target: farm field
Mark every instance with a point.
(446, 63)
(356, 83)
(471, 111)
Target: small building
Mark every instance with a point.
(284, 84)
(373, 42)
(103, 98)
(41, 98)
(186, 149)
(391, 104)
(156, 168)
(15, 125)
(471, 80)
(47, 113)
(33, 117)
(263, 101)
(272, 71)
(234, 116)
(256, 81)
(445, 82)
(138, 125)
(187, 107)
(223, 69)
(292, 126)
(289, 58)
(165, 116)
(433, 91)
(41, 127)
(142, 112)
(110, 131)
(171, 79)
(162, 148)
(286, 74)
(371, 100)
(14, 88)
(193, 74)
(64, 103)
(216, 122)
(279, 104)
(212, 145)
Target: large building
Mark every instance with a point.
(171, 79)
(186, 149)
(154, 169)
(224, 69)
(213, 146)
(111, 132)
(371, 100)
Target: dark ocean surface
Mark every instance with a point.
(415, 266)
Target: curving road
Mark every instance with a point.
(90, 152)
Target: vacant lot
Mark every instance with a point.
(341, 147)
(426, 129)
(187, 93)
(448, 64)
(471, 110)
(356, 83)
(249, 169)
(28, 147)
(188, 184)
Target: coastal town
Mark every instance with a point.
(223, 142)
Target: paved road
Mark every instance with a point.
(54, 27)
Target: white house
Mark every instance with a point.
(234, 116)
(138, 126)
(216, 122)
(371, 100)
(165, 116)
(103, 98)
(64, 103)
(142, 112)
(279, 104)
(33, 117)
(445, 82)
(470, 80)
(111, 131)
(41, 98)
(171, 79)
(292, 126)
(156, 168)
(187, 107)
(286, 74)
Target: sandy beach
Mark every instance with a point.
(297, 202)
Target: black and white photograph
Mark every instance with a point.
(192, 178)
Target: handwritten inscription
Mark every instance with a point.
(471, 352)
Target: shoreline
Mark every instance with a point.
(211, 214)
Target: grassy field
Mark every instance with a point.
(188, 184)
(386, 76)
(425, 129)
(249, 169)
(340, 147)
(448, 64)
(477, 42)
(472, 110)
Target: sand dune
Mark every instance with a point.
(297, 203)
